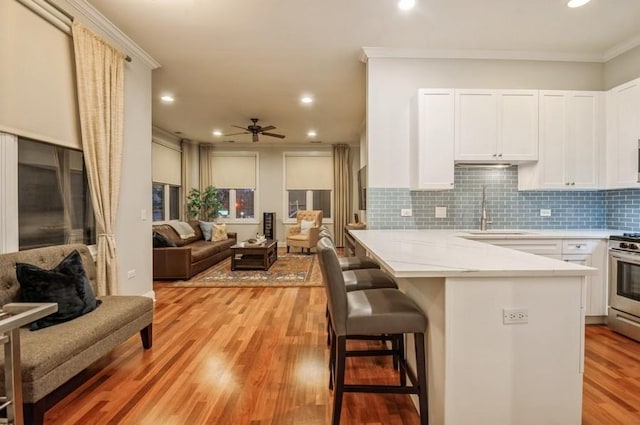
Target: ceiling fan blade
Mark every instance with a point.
(267, 128)
(279, 136)
(235, 134)
(237, 126)
(255, 137)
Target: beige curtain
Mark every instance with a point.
(100, 81)
(187, 159)
(341, 190)
(206, 178)
(187, 184)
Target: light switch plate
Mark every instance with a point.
(441, 212)
(406, 212)
(545, 213)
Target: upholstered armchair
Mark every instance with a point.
(304, 233)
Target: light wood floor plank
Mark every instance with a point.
(257, 356)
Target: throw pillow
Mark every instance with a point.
(219, 232)
(183, 229)
(161, 241)
(66, 284)
(305, 225)
(207, 229)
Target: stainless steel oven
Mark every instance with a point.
(624, 285)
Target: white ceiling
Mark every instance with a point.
(226, 61)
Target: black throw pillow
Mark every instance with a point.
(161, 241)
(66, 284)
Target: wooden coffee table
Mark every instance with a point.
(247, 256)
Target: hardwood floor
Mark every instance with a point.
(258, 356)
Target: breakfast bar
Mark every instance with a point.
(505, 340)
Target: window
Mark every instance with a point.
(167, 179)
(244, 203)
(234, 175)
(165, 202)
(308, 183)
(54, 202)
(158, 202)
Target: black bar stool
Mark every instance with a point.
(371, 312)
(357, 280)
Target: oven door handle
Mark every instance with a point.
(627, 258)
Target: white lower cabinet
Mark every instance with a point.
(587, 252)
(592, 253)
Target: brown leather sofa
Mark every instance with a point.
(189, 256)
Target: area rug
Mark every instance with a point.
(288, 270)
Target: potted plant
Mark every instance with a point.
(203, 205)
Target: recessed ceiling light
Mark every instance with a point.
(577, 3)
(217, 133)
(167, 98)
(312, 133)
(408, 4)
(306, 99)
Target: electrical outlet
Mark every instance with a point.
(406, 212)
(515, 316)
(441, 212)
(545, 213)
(131, 274)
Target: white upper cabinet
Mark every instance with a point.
(623, 135)
(432, 138)
(496, 125)
(571, 125)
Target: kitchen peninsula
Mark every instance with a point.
(505, 341)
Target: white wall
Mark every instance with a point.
(392, 82)
(133, 222)
(623, 68)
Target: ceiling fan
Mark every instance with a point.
(255, 130)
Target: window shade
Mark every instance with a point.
(233, 171)
(308, 172)
(166, 165)
(37, 84)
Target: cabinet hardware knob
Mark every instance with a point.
(499, 155)
(567, 184)
(573, 183)
(495, 155)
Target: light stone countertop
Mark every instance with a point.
(449, 253)
(536, 234)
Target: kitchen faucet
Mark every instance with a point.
(483, 215)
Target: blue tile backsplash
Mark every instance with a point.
(507, 207)
(622, 209)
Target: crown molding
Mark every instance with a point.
(111, 31)
(621, 48)
(162, 134)
(409, 53)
